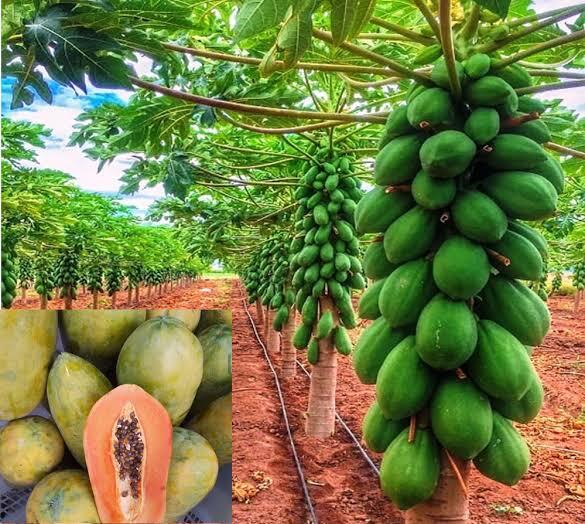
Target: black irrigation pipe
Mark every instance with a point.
(285, 416)
(349, 431)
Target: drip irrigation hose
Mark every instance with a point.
(285, 416)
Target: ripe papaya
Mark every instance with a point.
(528, 104)
(431, 108)
(551, 170)
(478, 217)
(374, 344)
(28, 338)
(406, 292)
(73, 387)
(378, 432)
(460, 268)
(63, 496)
(405, 383)
(368, 304)
(521, 195)
(514, 74)
(411, 235)
(165, 359)
(477, 65)
(487, 91)
(30, 448)
(192, 473)
(341, 340)
(461, 417)
(397, 125)
(128, 442)
(482, 125)
(515, 307)
(398, 161)
(447, 154)
(500, 365)
(526, 409)
(433, 193)
(531, 234)
(512, 152)
(440, 73)
(446, 333)
(378, 209)
(536, 130)
(525, 260)
(507, 457)
(375, 263)
(409, 472)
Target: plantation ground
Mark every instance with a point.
(342, 486)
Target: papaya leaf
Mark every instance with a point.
(343, 14)
(295, 36)
(109, 72)
(500, 7)
(363, 13)
(256, 16)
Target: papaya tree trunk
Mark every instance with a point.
(321, 412)
(577, 299)
(266, 324)
(148, 291)
(129, 301)
(68, 298)
(137, 294)
(114, 300)
(44, 301)
(83, 289)
(449, 503)
(23, 295)
(289, 352)
(95, 299)
(259, 312)
(273, 337)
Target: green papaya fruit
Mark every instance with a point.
(528, 104)
(531, 234)
(396, 125)
(312, 273)
(440, 74)
(379, 208)
(341, 340)
(326, 252)
(525, 260)
(313, 352)
(405, 383)
(342, 262)
(514, 74)
(551, 170)
(431, 108)
(500, 365)
(509, 107)
(507, 457)
(477, 65)
(378, 432)
(525, 409)
(536, 130)
(331, 182)
(511, 152)
(375, 263)
(521, 195)
(410, 471)
(482, 125)
(308, 255)
(325, 325)
(446, 333)
(406, 292)
(487, 91)
(368, 304)
(302, 336)
(433, 193)
(515, 307)
(411, 235)
(461, 417)
(477, 217)
(447, 154)
(310, 310)
(460, 268)
(344, 230)
(374, 344)
(428, 54)
(398, 161)
(413, 91)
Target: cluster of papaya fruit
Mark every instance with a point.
(67, 273)
(267, 278)
(539, 285)
(579, 276)
(9, 276)
(324, 254)
(557, 282)
(449, 348)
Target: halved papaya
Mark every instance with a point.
(128, 445)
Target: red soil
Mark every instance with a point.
(201, 294)
(344, 489)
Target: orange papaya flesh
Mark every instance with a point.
(128, 445)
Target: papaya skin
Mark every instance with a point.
(190, 317)
(29, 338)
(63, 497)
(215, 316)
(30, 448)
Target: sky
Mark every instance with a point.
(61, 117)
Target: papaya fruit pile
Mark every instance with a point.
(124, 428)
(579, 276)
(325, 254)
(453, 320)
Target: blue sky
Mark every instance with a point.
(61, 115)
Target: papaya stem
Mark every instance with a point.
(469, 29)
(445, 217)
(556, 74)
(326, 37)
(429, 17)
(402, 188)
(550, 87)
(561, 40)
(539, 16)
(457, 472)
(505, 261)
(448, 47)
(564, 150)
(412, 35)
(460, 374)
(412, 429)
(376, 83)
(519, 120)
